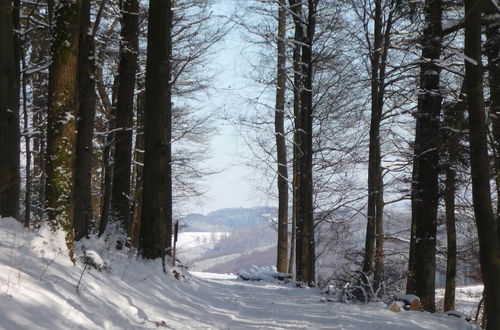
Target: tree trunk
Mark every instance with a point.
(303, 136)
(135, 223)
(120, 197)
(83, 214)
(374, 243)
(61, 116)
(374, 146)
(20, 58)
(489, 252)
(27, 145)
(9, 114)
(453, 118)
(379, 230)
(492, 47)
(279, 131)
(39, 53)
(107, 152)
(156, 217)
(426, 195)
(410, 279)
(297, 83)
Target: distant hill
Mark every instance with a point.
(229, 240)
(229, 219)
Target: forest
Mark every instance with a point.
(362, 109)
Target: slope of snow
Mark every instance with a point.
(215, 261)
(225, 252)
(466, 298)
(38, 291)
(192, 245)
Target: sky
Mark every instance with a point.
(235, 185)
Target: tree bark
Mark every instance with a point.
(374, 243)
(129, 48)
(21, 58)
(39, 53)
(107, 152)
(379, 243)
(489, 252)
(426, 195)
(279, 131)
(9, 114)
(27, 146)
(156, 217)
(135, 224)
(410, 279)
(374, 146)
(83, 215)
(453, 119)
(492, 48)
(61, 116)
(304, 207)
(297, 83)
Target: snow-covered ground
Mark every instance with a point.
(466, 298)
(38, 291)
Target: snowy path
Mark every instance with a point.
(237, 304)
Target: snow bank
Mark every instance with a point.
(256, 273)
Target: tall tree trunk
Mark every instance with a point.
(61, 116)
(279, 131)
(303, 136)
(374, 146)
(107, 152)
(135, 223)
(156, 217)
(120, 197)
(39, 54)
(27, 145)
(489, 252)
(492, 47)
(454, 119)
(374, 242)
(374, 160)
(21, 58)
(379, 229)
(426, 194)
(83, 214)
(410, 279)
(379, 203)
(9, 114)
(297, 83)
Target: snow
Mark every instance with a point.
(94, 258)
(192, 245)
(466, 298)
(196, 239)
(263, 274)
(38, 291)
(405, 297)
